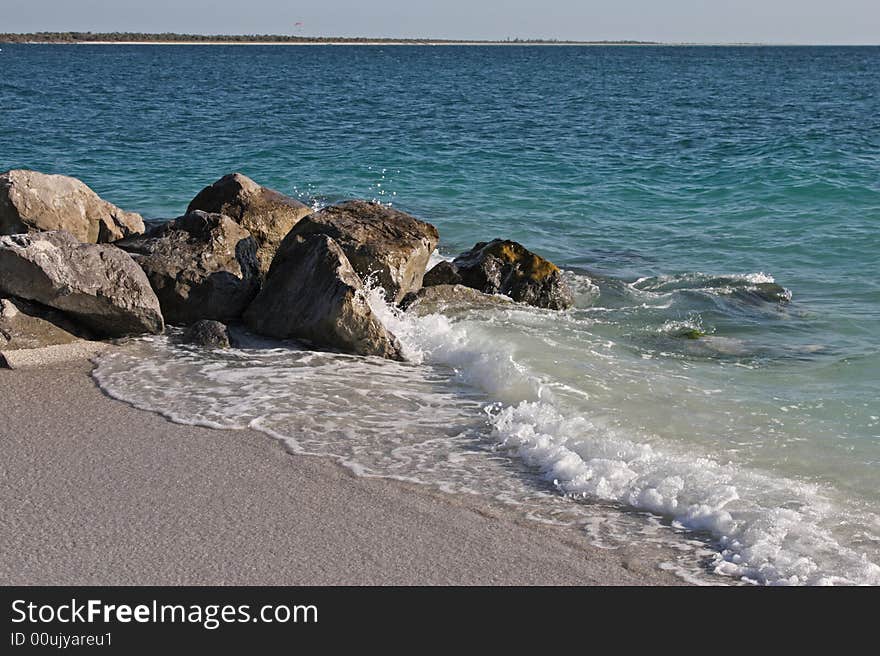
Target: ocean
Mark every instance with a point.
(716, 210)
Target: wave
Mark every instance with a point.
(768, 529)
(469, 396)
(748, 286)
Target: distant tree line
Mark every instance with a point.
(131, 37)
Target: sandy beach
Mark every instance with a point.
(96, 492)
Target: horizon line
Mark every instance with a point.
(194, 38)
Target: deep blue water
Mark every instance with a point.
(668, 165)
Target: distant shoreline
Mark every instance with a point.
(194, 40)
(121, 38)
(335, 43)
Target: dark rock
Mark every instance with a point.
(443, 273)
(202, 266)
(97, 285)
(379, 242)
(207, 333)
(36, 202)
(506, 267)
(313, 293)
(266, 214)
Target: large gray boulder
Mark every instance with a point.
(97, 285)
(265, 213)
(313, 293)
(201, 266)
(506, 267)
(380, 242)
(37, 202)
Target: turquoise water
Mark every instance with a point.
(669, 183)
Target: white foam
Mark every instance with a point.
(769, 529)
(425, 421)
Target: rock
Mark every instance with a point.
(378, 241)
(97, 285)
(36, 202)
(201, 266)
(764, 292)
(506, 267)
(440, 297)
(209, 334)
(443, 273)
(689, 333)
(28, 325)
(267, 214)
(313, 293)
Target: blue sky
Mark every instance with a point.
(773, 21)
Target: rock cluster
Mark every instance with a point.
(74, 267)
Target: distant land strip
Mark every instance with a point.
(172, 37)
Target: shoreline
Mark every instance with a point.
(570, 44)
(325, 43)
(98, 492)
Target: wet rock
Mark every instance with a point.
(207, 333)
(764, 292)
(688, 333)
(201, 266)
(36, 202)
(437, 298)
(266, 214)
(97, 285)
(379, 242)
(506, 267)
(443, 273)
(313, 293)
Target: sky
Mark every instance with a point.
(693, 21)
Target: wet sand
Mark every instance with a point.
(96, 492)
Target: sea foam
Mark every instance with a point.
(768, 529)
(469, 414)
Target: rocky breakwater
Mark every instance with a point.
(241, 254)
